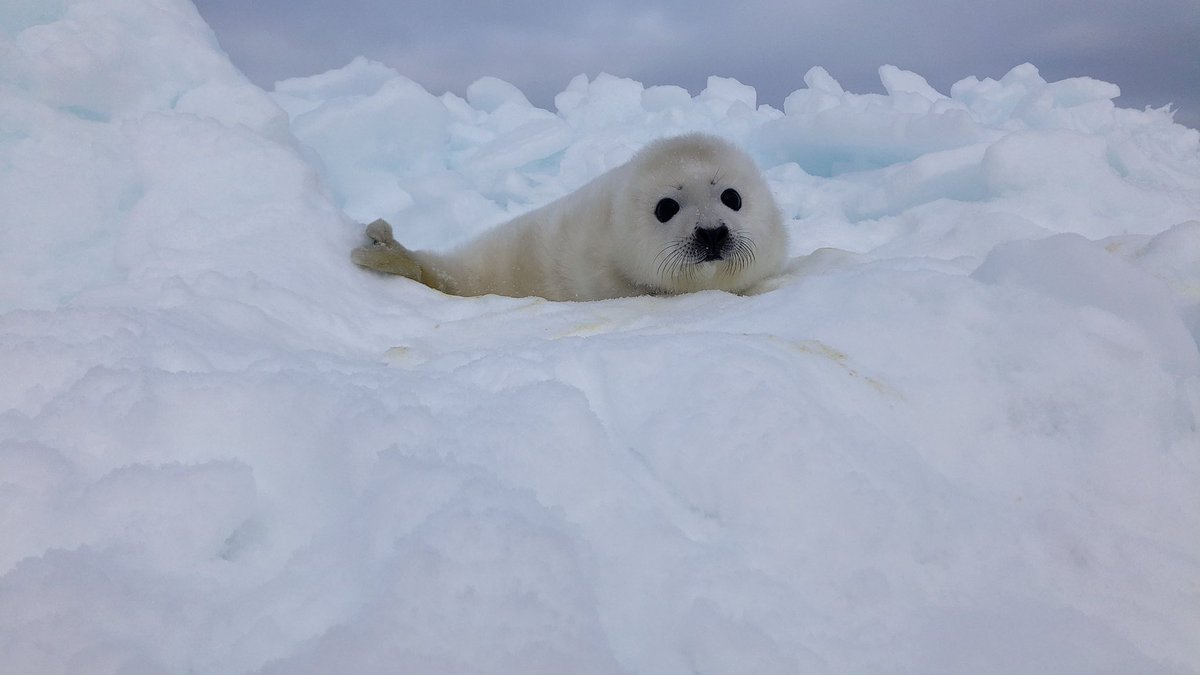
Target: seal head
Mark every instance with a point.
(699, 216)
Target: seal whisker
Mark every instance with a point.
(669, 263)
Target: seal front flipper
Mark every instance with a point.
(385, 254)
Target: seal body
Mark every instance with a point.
(687, 213)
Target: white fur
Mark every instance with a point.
(604, 241)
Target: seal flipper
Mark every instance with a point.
(385, 254)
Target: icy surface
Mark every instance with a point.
(960, 435)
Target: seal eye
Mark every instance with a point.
(732, 199)
(666, 209)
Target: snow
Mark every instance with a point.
(960, 435)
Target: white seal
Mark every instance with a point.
(687, 213)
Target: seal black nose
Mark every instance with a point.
(712, 240)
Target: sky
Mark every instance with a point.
(1150, 48)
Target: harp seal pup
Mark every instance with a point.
(687, 213)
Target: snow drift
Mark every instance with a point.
(960, 435)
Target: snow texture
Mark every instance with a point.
(960, 435)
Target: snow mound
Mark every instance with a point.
(960, 434)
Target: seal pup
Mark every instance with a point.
(686, 213)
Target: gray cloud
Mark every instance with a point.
(1151, 50)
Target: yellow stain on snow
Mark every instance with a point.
(818, 348)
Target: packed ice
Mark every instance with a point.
(960, 434)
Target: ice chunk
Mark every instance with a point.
(664, 97)
(728, 91)
(100, 63)
(992, 101)
(897, 81)
(1077, 271)
(1022, 96)
(533, 141)
(360, 77)
(366, 141)
(489, 93)
(819, 79)
(602, 101)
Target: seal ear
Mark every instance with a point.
(385, 254)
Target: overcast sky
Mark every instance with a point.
(1150, 48)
